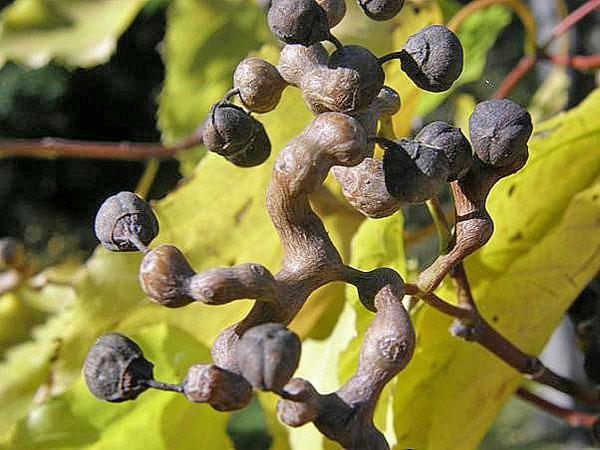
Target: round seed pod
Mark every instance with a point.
(349, 84)
(414, 172)
(124, 221)
(433, 58)
(231, 132)
(452, 142)
(115, 369)
(298, 21)
(268, 355)
(499, 132)
(221, 389)
(12, 253)
(335, 10)
(164, 276)
(256, 152)
(381, 9)
(227, 129)
(259, 83)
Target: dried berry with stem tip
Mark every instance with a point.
(302, 22)
(432, 58)
(125, 223)
(381, 9)
(234, 134)
(414, 172)
(115, 370)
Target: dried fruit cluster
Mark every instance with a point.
(346, 92)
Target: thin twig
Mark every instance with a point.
(574, 418)
(515, 75)
(576, 16)
(52, 148)
(579, 62)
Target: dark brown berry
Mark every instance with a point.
(115, 369)
(298, 21)
(125, 223)
(433, 58)
(381, 9)
(414, 172)
(452, 142)
(295, 61)
(231, 132)
(499, 132)
(164, 276)
(335, 10)
(260, 84)
(268, 355)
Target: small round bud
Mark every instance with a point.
(499, 132)
(381, 9)
(231, 132)
(414, 172)
(221, 389)
(124, 221)
(268, 355)
(452, 142)
(12, 253)
(259, 83)
(433, 58)
(115, 369)
(164, 276)
(298, 21)
(335, 10)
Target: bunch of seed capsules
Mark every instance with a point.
(345, 90)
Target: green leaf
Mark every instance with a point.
(69, 32)
(544, 251)
(477, 34)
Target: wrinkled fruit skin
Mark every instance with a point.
(349, 83)
(164, 276)
(12, 253)
(381, 9)
(122, 216)
(298, 21)
(268, 355)
(433, 58)
(452, 142)
(499, 131)
(221, 389)
(114, 367)
(259, 83)
(414, 172)
(334, 9)
(231, 132)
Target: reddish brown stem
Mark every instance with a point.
(579, 62)
(65, 148)
(512, 79)
(572, 19)
(528, 62)
(571, 417)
